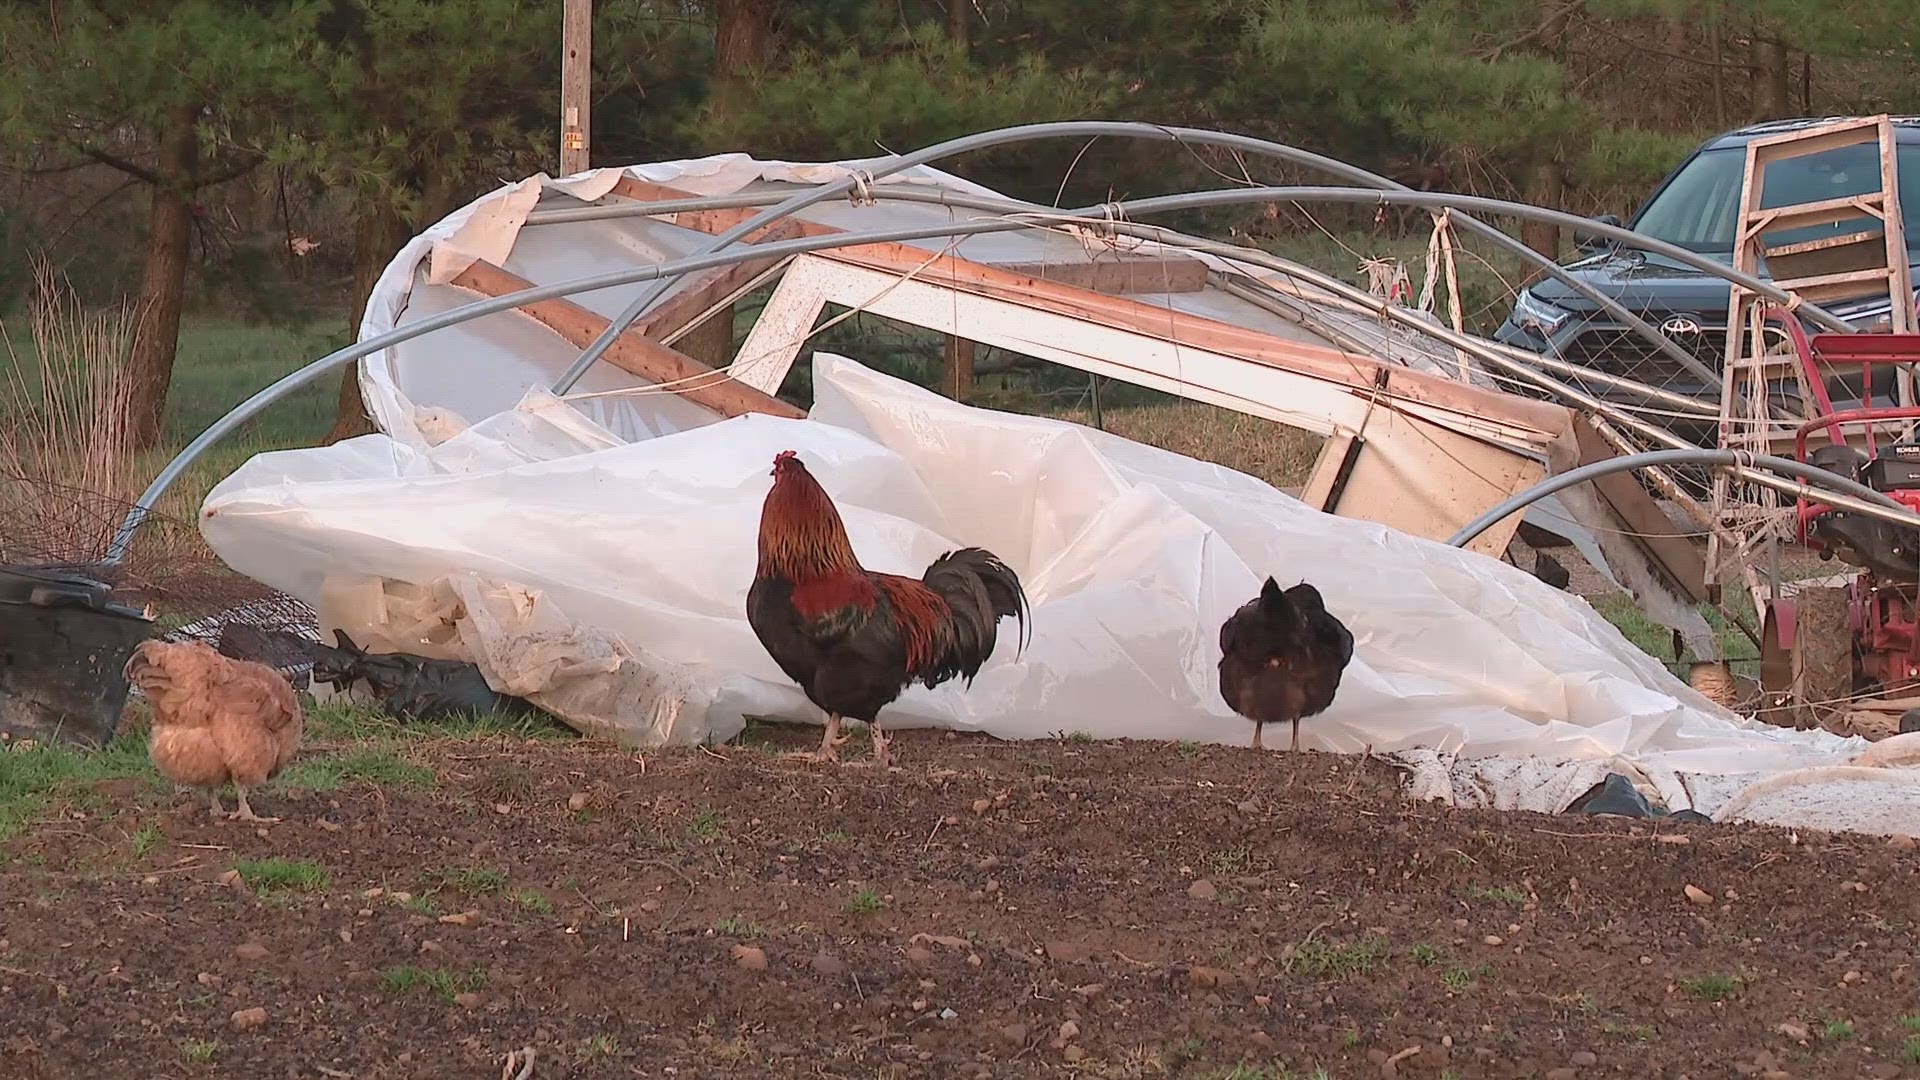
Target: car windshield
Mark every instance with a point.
(1697, 210)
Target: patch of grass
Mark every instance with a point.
(599, 1046)
(442, 982)
(1191, 749)
(199, 1051)
(1911, 1023)
(1506, 894)
(421, 905)
(1426, 954)
(1837, 1030)
(1640, 1032)
(370, 764)
(145, 839)
(1276, 453)
(866, 901)
(1460, 979)
(469, 880)
(1712, 987)
(1322, 958)
(1231, 862)
(736, 926)
(357, 722)
(534, 901)
(33, 780)
(706, 825)
(1187, 1049)
(1911, 1050)
(278, 874)
(1078, 737)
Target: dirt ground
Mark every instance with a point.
(987, 910)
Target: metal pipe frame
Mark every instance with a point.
(1813, 475)
(1110, 212)
(975, 202)
(1881, 507)
(863, 181)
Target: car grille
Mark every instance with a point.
(1618, 351)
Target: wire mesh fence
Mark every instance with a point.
(168, 571)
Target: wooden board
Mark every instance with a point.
(1111, 272)
(630, 352)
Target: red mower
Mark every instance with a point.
(1822, 645)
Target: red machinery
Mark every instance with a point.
(1869, 634)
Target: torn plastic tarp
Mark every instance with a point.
(1132, 555)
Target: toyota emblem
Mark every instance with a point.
(1680, 324)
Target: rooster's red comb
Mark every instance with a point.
(785, 455)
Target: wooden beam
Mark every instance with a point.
(1124, 274)
(956, 381)
(1673, 550)
(576, 78)
(710, 288)
(630, 352)
(1052, 295)
(1361, 372)
(1114, 274)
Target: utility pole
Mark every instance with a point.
(576, 85)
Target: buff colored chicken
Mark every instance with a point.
(216, 720)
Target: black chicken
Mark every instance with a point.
(1281, 656)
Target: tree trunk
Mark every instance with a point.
(1545, 188)
(1717, 54)
(957, 12)
(378, 234)
(163, 281)
(1773, 84)
(743, 39)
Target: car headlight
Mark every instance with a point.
(1534, 314)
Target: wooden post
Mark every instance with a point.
(957, 380)
(576, 85)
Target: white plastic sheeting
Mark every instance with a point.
(1132, 557)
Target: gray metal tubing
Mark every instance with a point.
(1268, 299)
(1818, 477)
(1095, 128)
(1303, 194)
(657, 271)
(1871, 503)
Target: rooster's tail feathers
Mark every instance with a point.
(981, 590)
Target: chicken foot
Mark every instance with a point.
(1257, 725)
(245, 812)
(1296, 736)
(830, 743)
(882, 747)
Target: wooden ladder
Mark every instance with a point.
(1857, 262)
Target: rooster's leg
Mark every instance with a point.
(882, 746)
(830, 742)
(1296, 734)
(245, 813)
(1257, 725)
(218, 810)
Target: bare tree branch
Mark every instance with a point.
(133, 169)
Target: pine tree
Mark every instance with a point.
(167, 94)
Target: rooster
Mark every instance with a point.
(215, 719)
(854, 639)
(1281, 656)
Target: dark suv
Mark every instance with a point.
(1695, 208)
